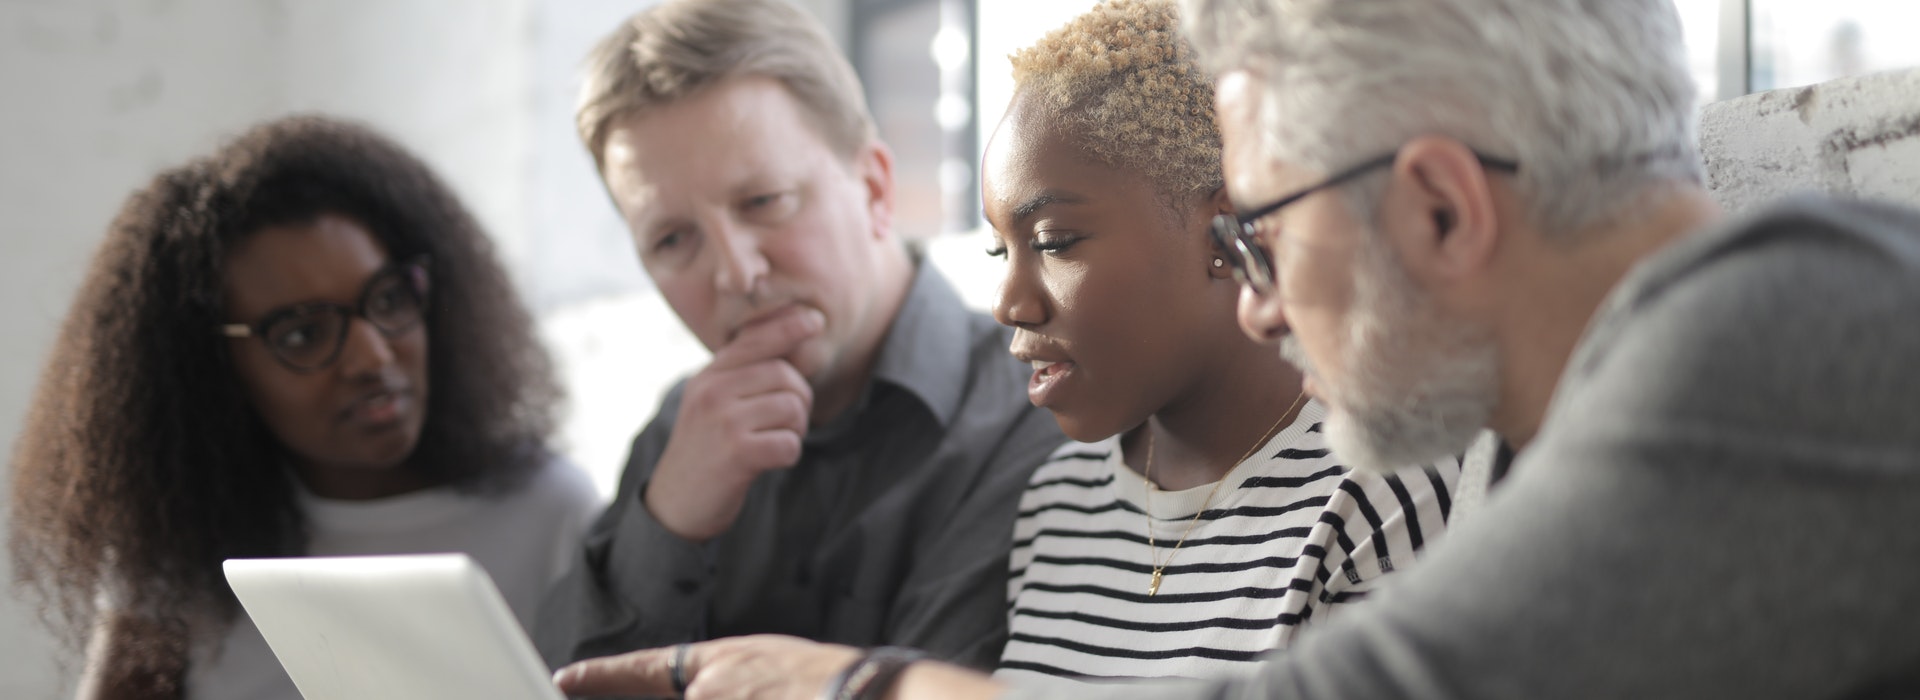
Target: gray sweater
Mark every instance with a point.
(1723, 501)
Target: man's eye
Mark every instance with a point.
(669, 241)
(770, 206)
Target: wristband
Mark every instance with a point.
(869, 677)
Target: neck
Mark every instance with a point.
(1204, 433)
(1561, 285)
(360, 483)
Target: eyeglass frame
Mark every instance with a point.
(1240, 243)
(415, 273)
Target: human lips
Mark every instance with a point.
(380, 408)
(1051, 370)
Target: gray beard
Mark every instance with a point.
(1418, 388)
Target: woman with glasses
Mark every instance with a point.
(299, 345)
(1202, 521)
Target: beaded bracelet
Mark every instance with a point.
(869, 677)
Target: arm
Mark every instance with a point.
(120, 663)
(767, 667)
(619, 593)
(954, 605)
(642, 576)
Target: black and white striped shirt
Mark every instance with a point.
(1291, 535)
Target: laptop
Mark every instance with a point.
(412, 627)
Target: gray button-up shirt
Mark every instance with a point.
(892, 529)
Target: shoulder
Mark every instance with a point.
(558, 488)
(1800, 316)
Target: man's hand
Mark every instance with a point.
(769, 667)
(741, 416)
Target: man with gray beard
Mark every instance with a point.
(1467, 214)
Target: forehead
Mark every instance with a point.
(711, 142)
(1029, 154)
(327, 259)
(1019, 146)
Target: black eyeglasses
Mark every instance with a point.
(308, 337)
(1240, 243)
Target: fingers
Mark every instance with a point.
(645, 673)
(770, 338)
(755, 379)
(771, 449)
(774, 411)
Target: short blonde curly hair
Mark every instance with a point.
(1128, 87)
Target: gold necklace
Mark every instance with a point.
(1153, 552)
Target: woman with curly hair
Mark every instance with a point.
(299, 345)
(1202, 521)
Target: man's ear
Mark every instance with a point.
(1440, 214)
(874, 165)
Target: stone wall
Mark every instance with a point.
(1854, 136)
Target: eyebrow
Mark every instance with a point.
(1040, 201)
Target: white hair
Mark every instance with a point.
(1591, 97)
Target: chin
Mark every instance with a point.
(815, 361)
(1080, 427)
(385, 455)
(1386, 441)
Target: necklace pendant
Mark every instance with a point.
(1153, 587)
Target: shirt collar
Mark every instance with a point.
(927, 347)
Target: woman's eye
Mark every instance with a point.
(386, 300)
(296, 337)
(998, 250)
(1054, 244)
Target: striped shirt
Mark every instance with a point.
(1292, 535)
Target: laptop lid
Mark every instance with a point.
(412, 627)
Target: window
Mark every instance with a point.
(1798, 42)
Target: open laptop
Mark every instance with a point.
(412, 627)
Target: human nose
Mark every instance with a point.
(741, 263)
(1261, 316)
(1018, 304)
(366, 350)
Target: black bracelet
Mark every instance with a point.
(869, 677)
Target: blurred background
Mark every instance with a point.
(100, 94)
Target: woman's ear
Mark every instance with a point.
(1218, 204)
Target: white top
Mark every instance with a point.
(1290, 535)
(523, 539)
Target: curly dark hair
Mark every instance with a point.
(141, 465)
